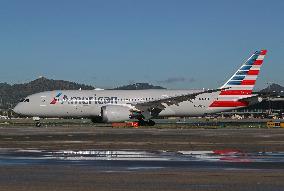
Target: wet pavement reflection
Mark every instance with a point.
(141, 159)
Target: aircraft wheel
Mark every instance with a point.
(38, 124)
(146, 123)
(151, 123)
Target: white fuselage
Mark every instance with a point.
(88, 103)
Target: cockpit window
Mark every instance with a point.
(25, 100)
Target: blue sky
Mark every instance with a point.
(174, 43)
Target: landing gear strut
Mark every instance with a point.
(37, 120)
(146, 123)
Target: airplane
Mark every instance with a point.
(107, 106)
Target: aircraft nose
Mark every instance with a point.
(17, 109)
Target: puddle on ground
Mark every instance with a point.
(137, 160)
(227, 155)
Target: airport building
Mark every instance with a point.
(270, 107)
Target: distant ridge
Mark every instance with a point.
(11, 94)
(273, 87)
(138, 86)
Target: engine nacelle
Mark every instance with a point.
(115, 113)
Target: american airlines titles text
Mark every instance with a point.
(86, 100)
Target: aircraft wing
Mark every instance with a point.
(156, 106)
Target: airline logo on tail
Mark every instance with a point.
(241, 84)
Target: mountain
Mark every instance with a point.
(138, 86)
(273, 88)
(11, 94)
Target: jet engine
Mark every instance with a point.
(115, 113)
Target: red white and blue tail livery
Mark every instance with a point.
(241, 84)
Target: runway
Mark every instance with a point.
(99, 158)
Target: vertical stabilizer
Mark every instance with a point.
(241, 84)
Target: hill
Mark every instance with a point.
(11, 94)
(138, 86)
(273, 88)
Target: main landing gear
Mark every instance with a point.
(146, 123)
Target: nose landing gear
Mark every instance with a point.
(38, 124)
(37, 120)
